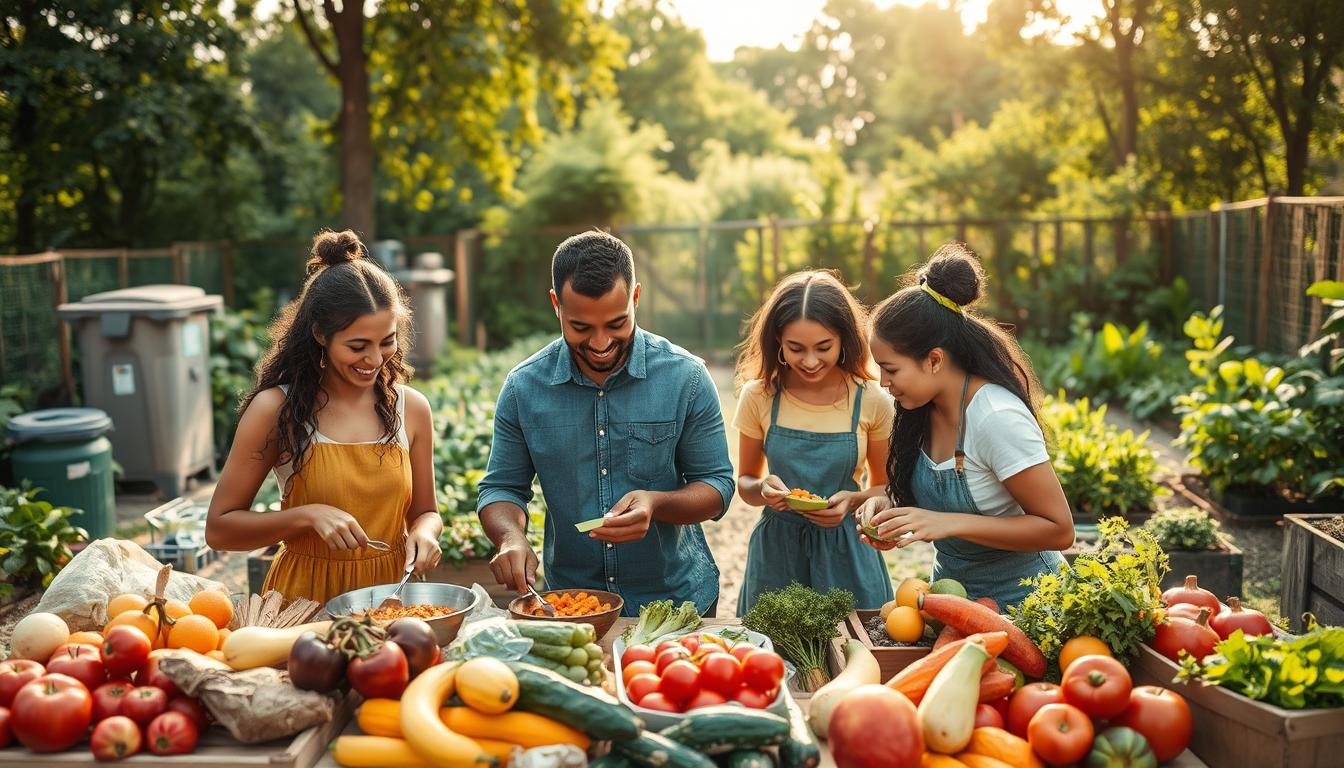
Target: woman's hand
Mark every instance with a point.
(775, 491)
(867, 510)
(833, 515)
(338, 528)
(422, 548)
(904, 525)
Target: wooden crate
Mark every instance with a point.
(889, 660)
(1231, 729)
(1313, 573)
(216, 749)
(835, 664)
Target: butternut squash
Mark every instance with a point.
(947, 711)
(427, 734)
(1002, 745)
(376, 752)
(487, 685)
(251, 647)
(861, 668)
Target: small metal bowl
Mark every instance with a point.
(445, 627)
(601, 621)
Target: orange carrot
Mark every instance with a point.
(995, 684)
(968, 616)
(988, 602)
(915, 679)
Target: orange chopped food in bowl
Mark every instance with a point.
(403, 611)
(572, 604)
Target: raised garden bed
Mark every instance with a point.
(1313, 569)
(1248, 510)
(889, 659)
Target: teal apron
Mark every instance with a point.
(787, 547)
(983, 571)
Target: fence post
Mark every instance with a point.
(777, 232)
(1210, 266)
(462, 266)
(226, 268)
(1168, 266)
(1222, 256)
(1321, 252)
(176, 257)
(961, 230)
(124, 267)
(760, 264)
(60, 295)
(870, 259)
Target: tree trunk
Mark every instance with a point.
(25, 133)
(355, 123)
(1129, 91)
(1297, 145)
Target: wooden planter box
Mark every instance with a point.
(1219, 571)
(835, 664)
(1313, 573)
(890, 660)
(1231, 729)
(1246, 510)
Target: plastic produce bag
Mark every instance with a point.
(489, 637)
(554, 756)
(107, 568)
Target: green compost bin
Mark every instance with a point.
(65, 452)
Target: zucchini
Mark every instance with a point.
(554, 666)
(558, 653)
(801, 750)
(653, 751)
(589, 709)
(550, 632)
(612, 760)
(716, 730)
(748, 758)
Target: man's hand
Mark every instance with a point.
(515, 565)
(628, 519)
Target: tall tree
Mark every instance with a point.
(461, 79)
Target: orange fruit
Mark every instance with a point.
(214, 605)
(86, 638)
(196, 633)
(223, 635)
(907, 594)
(1082, 645)
(904, 624)
(137, 619)
(123, 603)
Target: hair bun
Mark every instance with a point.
(332, 248)
(955, 271)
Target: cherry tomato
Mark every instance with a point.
(16, 673)
(1098, 685)
(638, 653)
(637, 668)
(639, 686)
(51, 714)
(675, 653)
(1026, 701)
(82, 662)
(1060, 734)
(1163, 718)
(125, 650)
(690, 643)
(107, 699)
(750, 697)
(659, 702)
(680, 681)
(663, 646)
(171, 733)
(143, 704)
(763, 670)
(191, 708)
(987, 717)
(115, 738)
(382, 674)
(706, 698)
(742, 650)
(721, 673)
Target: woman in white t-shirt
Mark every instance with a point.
(968, 468)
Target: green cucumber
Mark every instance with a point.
(554, 666)
(549, 632)
(748, 758)
(576, 674)
(801, 750)
(612, 760)
(716, 730)
(558, 653)
(594, 651)
(577, 658)
(583, 635)
(589, 709)
(588, 525)
(653, 751)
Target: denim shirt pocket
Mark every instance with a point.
(652, 450)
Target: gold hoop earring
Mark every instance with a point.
(841, 361)
(780, 356)
(322, 362)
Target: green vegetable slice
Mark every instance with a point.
(588, 525)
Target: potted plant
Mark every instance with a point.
(1196, 545)
(1313, 569)
(1104, 471)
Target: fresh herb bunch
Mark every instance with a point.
(1185, 529)
(1112, 594)
(800, 622)
(1306, 672)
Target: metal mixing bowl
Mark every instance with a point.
(445, 627)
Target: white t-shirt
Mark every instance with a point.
(1002, 439)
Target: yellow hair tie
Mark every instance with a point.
(941, 299)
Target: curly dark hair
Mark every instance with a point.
(343, 284)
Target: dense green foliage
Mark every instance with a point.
(35, 538)
(1102, 469)
(1186, 529)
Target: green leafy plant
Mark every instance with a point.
(1102, 364)
(800, 622)
(1187, 529)
(1305, 672)
(1112, 594)
(238, 339)
(1102, 469)
(35, 537)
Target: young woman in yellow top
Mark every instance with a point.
(350, 445)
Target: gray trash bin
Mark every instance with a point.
(145, 357)
(429, 302)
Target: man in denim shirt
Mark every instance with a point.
(616, 423)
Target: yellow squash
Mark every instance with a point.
(1002, 745)
(427, 734)
(487, 685)
(251, 647)
(382, 717)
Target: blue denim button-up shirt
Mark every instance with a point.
(654, 425)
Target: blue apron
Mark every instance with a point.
(787, 547)
(983, 571)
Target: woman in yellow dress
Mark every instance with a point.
(350, 445)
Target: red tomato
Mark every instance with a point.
(382, 674)
(1060, 734)
(172, 733)
(52, 713)
(107, 699)
(16, 673)
(680, 681)
(115, 738)
(742, 650)
(149, 674)
(720, 672)
(1098, 685)
(192, 709)
(6, 737)
(675, 653)
(706, 698)
(663, 646)
(1163, 718)
(1001, 706)
(690, 643)
(1026, 701)
(750, 697)
(143, 704)
(82, 662)
(125, 650)
(416, 639)
(987, 717)
(638, 653)
(659, 702)
(763, 670)
(640, 686)
(637, 668)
